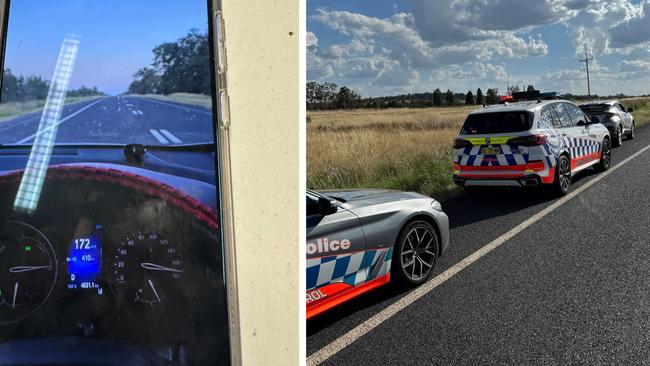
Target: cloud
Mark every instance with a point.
(391, 49)
(635, 66)
(633, 31)
(475, 71)
(462, 43)
(397, 77)
(591, 27)
(511, 14)
(634, 70)
(312, 41)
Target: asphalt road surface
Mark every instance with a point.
(571, 288)
(118, 120)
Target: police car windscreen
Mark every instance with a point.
(592, 109)
(497, 122)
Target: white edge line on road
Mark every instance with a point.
(159, 137)
(60, 121)
(368, 325)
(171, 136)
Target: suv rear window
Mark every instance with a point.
(497, 122)
(591, 109)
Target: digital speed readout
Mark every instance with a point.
(84, 261)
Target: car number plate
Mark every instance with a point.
(491, 150)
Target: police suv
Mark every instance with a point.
(530, 139)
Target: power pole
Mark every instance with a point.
(586, 61)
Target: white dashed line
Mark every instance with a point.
(171, 136)
(360, 330)
(159, 137)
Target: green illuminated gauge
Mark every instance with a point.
(146, 267)
(28, 271)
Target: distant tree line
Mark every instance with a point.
(180, 66)
(322, 96)
(19, 88)
(330, 96)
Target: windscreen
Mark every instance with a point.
(129, 72)
(593, 109)
(110, 239)
(497, 122)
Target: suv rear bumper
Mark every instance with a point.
(530, 180)
(533, 173)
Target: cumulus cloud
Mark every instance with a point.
(635, 66)
(460, 42)
(633, 31)
(591, 27)
(385, 48)
(311, 41)
(634, 70)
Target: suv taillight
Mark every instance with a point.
(532, 140)
(461, 144)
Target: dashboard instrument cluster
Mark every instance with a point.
(106, 261)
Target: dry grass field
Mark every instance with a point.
(405, 149)
(641, 109)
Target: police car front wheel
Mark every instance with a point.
(416, 252)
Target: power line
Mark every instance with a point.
(586, 61)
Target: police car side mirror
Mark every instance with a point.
(594, 120)
(326, 206)
(630, 110)
(582, 123)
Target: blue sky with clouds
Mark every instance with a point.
(385, 47)
(117, 36)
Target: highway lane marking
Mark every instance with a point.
(176, 105)
(16, 122)
(360, 330)
(171, 136)
(60, 121)
(159, 137)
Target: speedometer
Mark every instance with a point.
(146, 267)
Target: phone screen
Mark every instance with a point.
(110, 238)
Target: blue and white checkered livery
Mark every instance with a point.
(351, 268)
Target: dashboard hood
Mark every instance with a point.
(199, 190)
(367, 197)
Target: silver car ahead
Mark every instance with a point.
(611, 113)
(358, 239)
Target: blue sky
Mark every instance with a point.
(391, 47)
(117, 36)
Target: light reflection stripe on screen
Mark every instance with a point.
(32, 180)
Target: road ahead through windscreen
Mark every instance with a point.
(573, 287)
(120, 120)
